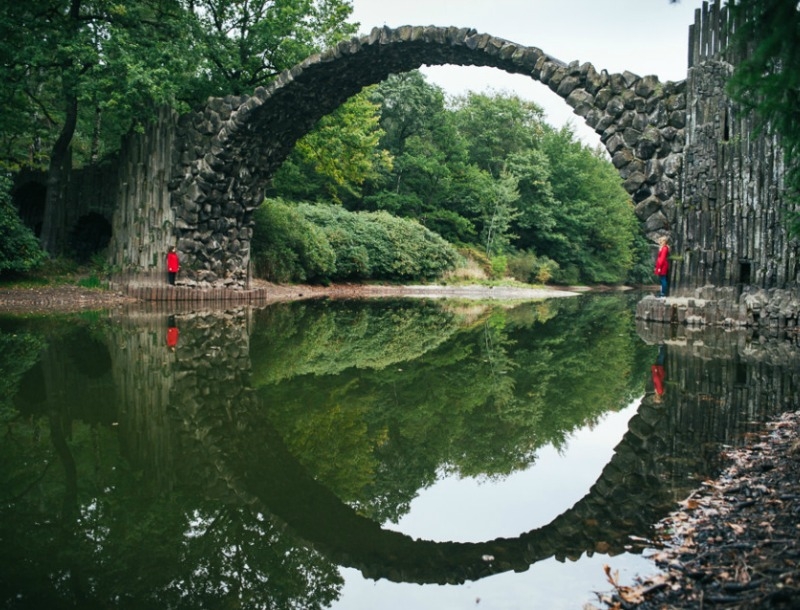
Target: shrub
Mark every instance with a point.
(289, 248)
(499, 266)
(377, 245)
(531, 269)
(346, 245)
(19, 249)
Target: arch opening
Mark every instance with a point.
(89, 236)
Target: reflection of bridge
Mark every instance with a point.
(667, 445)
(628, 497)
(179, 419)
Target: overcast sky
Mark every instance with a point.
(642, 36)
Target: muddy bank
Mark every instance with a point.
(66, 298)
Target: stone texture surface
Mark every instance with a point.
(771, 313)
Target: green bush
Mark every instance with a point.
(289, 248)
(499, 266)
(19, 249)
(377, 245)
(568, 275)
(531, 269)
(326, 242)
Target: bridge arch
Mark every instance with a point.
(226, 153)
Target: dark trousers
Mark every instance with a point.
(171, 277)
(664, 285)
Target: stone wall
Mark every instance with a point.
(89, 190)
(731, 227)
(733, 261)
(144, 222)
(688, 158)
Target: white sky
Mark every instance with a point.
(642, 36)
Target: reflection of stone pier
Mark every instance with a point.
(721, 383)
(189, 422)
(169, 371)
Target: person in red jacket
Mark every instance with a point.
(662, 266)
(173, 265)
(172, 333)
(657, 371)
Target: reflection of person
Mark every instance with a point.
(662, 266)
(657, 371)
(172, 333)
(173, 265)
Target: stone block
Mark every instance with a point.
(567, 85)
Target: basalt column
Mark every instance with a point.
(731, 228)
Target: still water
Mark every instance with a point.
(359, 454)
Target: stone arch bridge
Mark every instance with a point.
(195, 180)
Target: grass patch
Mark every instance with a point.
(57, 272)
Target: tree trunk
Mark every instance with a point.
(53, 224)
(53, 232)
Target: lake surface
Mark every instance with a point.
(392, 453)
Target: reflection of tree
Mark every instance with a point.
(480, 404)
(19, 351)
(326, 337)
(83, 527)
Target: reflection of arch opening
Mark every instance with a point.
(600, 520)
(29, 200)
(89, 236)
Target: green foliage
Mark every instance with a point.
(373, 400)
(287, 247)
(767, 79)
(337, 157)
(19, 351)
(329, 337)
(90, 282)
(116, 60)
(77, 76)
(19, 248)
(477, 401)
(101, 64)
(642, 270)
(377, 245)
(323, 242)
(243, 45)
(488, 171)
(531, 269)
(76, 491)
(593, 226)
(499, 266)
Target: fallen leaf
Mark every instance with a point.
(737, 529)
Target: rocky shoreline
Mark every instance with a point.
(734, 542)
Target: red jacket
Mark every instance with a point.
(658, 378)
(173, 266)
(662, 261)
